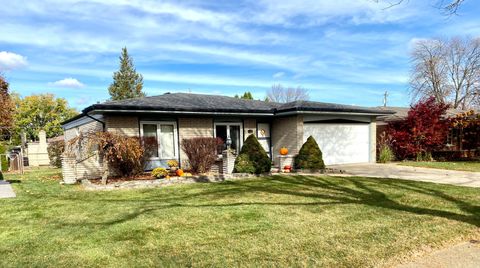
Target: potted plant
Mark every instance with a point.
(159, 173)
(173, 165)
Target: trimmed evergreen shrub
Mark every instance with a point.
(252, 158)
(310, 156)
(243, 164)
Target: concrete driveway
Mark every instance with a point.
(394, 171)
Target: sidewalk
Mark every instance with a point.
(463, 255)
(6, 190)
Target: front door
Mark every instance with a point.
(229, 134)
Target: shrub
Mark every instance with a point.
(243, 164)
(201, 153)
(3, 158)
(309, 156)
(1, 176)
(252, 158)
(422, 132)
(55, 150)
(385, 152)
(159, 172)
(124, 154)
(172, 163)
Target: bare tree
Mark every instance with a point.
(278, 93)
(448, 7)
(448, 70)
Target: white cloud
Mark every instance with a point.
(67, 83)
(10, 61)
(278, 75)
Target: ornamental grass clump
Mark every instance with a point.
(310, 156)
(252, 158)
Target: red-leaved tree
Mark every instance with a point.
(424, 130)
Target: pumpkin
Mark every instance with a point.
(283, 151)
(287, 167)
(179, 172)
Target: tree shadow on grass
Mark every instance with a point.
(311, 191)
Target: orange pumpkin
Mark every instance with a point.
(179, 172)
(283, 151)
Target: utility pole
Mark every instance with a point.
(385, 96)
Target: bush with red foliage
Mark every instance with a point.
(424, 130)
(201, 153)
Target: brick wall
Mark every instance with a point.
(123, 125)
(88, 166)
(288, 132)
(249, 124)
(191, 127)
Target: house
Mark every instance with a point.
(453, 141)
(345, 134)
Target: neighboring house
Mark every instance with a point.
(400, 113)
(36, 151)
(345, 134)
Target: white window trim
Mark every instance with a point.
(175, 137)
(228, 124)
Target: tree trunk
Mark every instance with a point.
(105, 171)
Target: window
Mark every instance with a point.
(229, 133)
(160, 139)
(150, 140)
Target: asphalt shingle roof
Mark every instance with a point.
(401, 113)
(215, 103)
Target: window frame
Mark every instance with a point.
(175, 138)
(227, 125)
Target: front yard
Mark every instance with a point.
(473, 166)
(272, 221)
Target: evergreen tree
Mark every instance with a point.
(127, 83)
(309, 156)
(252, 158)
(247, 96)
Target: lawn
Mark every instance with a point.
(453, 165)
(271, 221)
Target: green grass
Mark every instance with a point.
(452, 165)
(271, 221)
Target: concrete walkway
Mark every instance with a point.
(463, 255)
(394, 171)
(6, 190)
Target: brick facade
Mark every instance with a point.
(249, 127)
(89, 166)
(122, 125)
(191, 127)
(287, 132)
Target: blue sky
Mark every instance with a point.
(347, 51)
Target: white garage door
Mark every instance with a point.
(341, 143)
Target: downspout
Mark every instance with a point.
(100, 121)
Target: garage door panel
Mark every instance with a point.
(340, 143)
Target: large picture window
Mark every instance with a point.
(159, 140)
